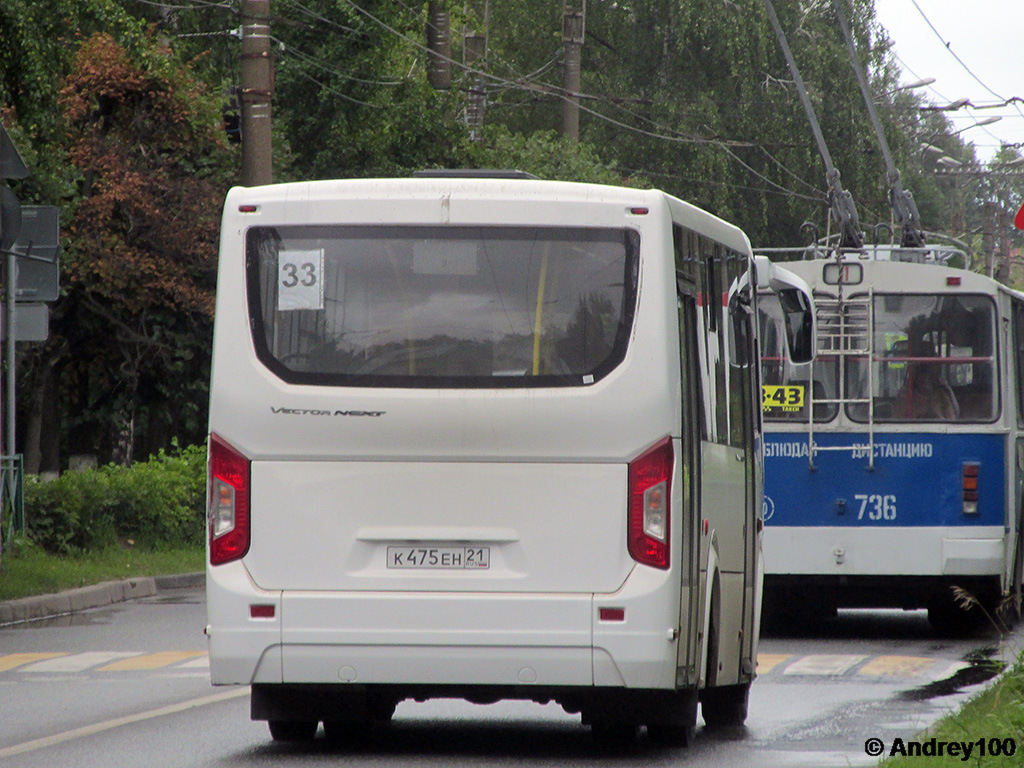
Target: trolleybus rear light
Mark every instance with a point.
(970, 487)
(650, 485)
(261, 611)
(952, 281)
(612, 614)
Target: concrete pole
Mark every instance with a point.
(257, 92)
(573, 26)
(439, 43)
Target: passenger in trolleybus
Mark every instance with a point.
(925, 394)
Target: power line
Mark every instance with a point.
(553, 90)
(949, 47)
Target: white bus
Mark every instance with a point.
(895, 461)
(485, 438)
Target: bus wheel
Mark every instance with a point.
(948, 619)
(674, 721)
(293, 730)
(672, 735)
(725, 705)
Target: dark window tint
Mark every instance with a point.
(441, 306)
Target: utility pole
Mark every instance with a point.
(573, 30)
(474, 55)
(988, 236)
(257, 91)
(439, 45)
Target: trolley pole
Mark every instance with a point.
(257, 92)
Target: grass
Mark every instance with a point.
(995, 715)
(26, 570)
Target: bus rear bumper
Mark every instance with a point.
(439, 639)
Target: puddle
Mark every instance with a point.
(981, 667)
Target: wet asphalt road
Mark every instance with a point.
(128, 685)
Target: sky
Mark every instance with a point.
(988, 37)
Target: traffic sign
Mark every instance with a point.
(31, 322)
(38, 268)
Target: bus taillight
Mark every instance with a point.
(650, 486)
(970, 487)
(228, 503)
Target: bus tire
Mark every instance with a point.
(675, 722)
(725, 705)
(293, 731)
(672, 735)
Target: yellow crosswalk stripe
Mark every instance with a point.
(151, 661)
(766, 662)
(896, 666)
(12, 660)
(824, 664)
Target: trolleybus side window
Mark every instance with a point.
(933, 358)
(417, 306)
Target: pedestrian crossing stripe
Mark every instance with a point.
(838, 665)
(12, 660)
(151, 661)
(897, 666)
(768, 664)
(102, 661)
(824, 664)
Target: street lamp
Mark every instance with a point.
(983, 121)
(916, 84)
(951, 107)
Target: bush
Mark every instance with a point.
(158, 502)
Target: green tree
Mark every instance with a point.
(140, 261)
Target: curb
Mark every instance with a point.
(95, 596)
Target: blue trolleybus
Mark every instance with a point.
(894, 463)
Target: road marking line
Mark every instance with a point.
(824, 664)
(12, 660)
(151, 661)
(78, 662)
(91, 730)
(203, 662)
(766, 662)
(897, 666)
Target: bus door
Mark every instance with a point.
(744, 400)
(692, 420)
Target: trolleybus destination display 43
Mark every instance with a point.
(487, 438)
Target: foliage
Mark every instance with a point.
(28, 570)
(118, 108)
(994, 715)
(161, 501)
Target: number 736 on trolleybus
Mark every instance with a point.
(486, 438)
(895, 461)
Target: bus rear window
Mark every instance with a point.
(408, 306)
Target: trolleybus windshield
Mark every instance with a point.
(933, 358)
